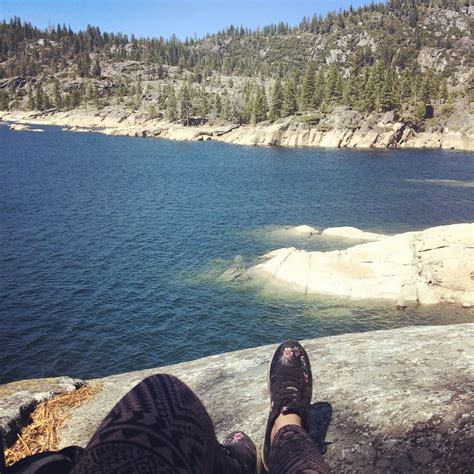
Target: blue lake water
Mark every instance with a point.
(112, 247)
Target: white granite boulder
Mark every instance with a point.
(351, 233)
(428, 266)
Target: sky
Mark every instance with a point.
(185, 18)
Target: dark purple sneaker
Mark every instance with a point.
(290, 383)
(241, 449)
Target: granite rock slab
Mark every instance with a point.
(19, 399)
(401, 399)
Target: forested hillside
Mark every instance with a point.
(410, 56)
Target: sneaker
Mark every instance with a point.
(290, 383)
(241, 449)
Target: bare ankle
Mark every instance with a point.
(284, 420)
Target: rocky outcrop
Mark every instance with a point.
(351, 233)
(19, 127)
(298, 231)
(19, 399)
(431, 266)
(401, 399)
(343, 128)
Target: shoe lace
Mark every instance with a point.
(289, 384)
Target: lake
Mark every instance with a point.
(112, 248)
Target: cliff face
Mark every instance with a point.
(401, 399)
(341, 129)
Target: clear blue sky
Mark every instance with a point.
(185, 18)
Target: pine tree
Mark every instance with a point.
(378, 77)
(217, 106)
(351, 89)
(30, 104)
(319, 89)
(57, 99)
(443, 91)
(386, 99)
(185, 106)
(308, 88)
(368, 95)
(226, 109)
(430, 87)
(75, 98)
(290, 99)
(47, 104)
(248, 102)
(260, 105)
(4, 99)
(420, 111)
(171, 105)
(277, 101)
(39, 97)
(333, 87)
(96, 69)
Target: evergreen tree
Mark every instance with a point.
(333, 87)
(420, 111)
(248, 102)
(319, 92)
(4, 100)
(386, 98)
(368, 94)
(96, 69)
(429, 87)
(443, 91)
(217, 106)
(30, 104)
(226, 109)
(185, 105)
(290, 99)
(75, 98)
(277, 101)
(57, 99)
(39, 97)
(47, 104)
(351, 90)
(260, 105)
(171, 105)
(308, 88)
(378, 78)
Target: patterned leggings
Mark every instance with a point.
(161, 426)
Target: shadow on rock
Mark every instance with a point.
(320, 416)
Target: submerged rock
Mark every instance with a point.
(304, 230)
(428, 266)
(352, 233)
(298, 231)
(19, 127)
(401, 399)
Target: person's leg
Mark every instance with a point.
(161, 426)
(294, 451)
(288, 447)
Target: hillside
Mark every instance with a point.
(409, 57)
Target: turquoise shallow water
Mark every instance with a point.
(113, 247)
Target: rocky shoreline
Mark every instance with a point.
(426, 267)
(401, 399)
(342, 129)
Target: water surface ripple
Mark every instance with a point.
(112, 246)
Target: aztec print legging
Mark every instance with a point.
(161, 426)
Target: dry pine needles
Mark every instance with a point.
(41, 434)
